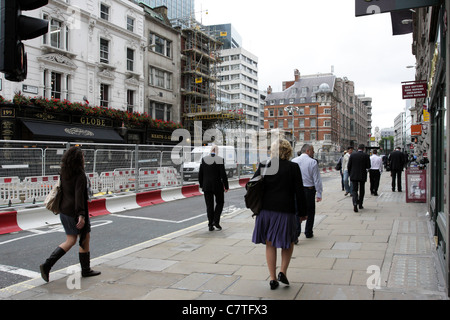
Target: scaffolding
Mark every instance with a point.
(200, 69)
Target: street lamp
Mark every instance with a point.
(290, 110)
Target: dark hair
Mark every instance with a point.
(72, 162)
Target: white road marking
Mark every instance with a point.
(19, 271)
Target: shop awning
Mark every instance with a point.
(72, 132)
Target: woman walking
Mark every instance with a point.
(276, 224)
(74, 213)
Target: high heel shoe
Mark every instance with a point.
(282, 278)
(274, 284)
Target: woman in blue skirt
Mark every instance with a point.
(276, 224)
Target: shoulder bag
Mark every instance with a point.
(255, 192)
(53, 199)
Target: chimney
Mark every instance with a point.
(297, 75)
(161, 10)
(269, 90)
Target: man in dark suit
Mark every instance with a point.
(214, 182)
(397, 162)
(358, 164)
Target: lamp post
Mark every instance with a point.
(290, 110)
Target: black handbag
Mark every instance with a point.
(255, 192)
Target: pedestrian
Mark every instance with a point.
(213, 181)
(74, 213)
(347, 182)
(358, 164)
(312, 184)
(396, 163)
(275, 226)
(376, 168)
(340, 169)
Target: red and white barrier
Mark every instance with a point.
(26, 219)
(10, 188)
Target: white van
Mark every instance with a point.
(191, 169)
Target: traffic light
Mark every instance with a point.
(14, 28)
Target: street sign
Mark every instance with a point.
(415, 90)
(366, 7)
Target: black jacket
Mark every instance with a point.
(358, 164)
(282, 189)
(397, 161)
(212, 176)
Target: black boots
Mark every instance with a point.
(50, 262)
(85, 261)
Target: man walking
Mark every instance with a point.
(214, 182)
(376, 168)
(347, 183)
(396, 162)
(312, 184)
(358, 164)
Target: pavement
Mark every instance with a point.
(385, 251)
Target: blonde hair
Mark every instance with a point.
(281, 149)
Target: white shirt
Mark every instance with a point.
(376, 163)
(310, 173)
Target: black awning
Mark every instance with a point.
(72, 132)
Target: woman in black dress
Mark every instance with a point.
(74, 213)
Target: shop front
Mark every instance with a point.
(33, 123)
(439, 153)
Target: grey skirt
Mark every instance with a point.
(70, 225)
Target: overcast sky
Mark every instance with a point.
(312, 36)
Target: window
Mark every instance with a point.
(280, 112)
(312, 110)
(130, 100)
(312, 122)
(327, 111)
(130, 24)
(130, 59)
(104, 51)
(271, 113)
(301, 111)
(301, 123)
(104, 12)
(327, 136)
(160, 45)
(312, 135)
(159, 78)
(56, 85)
(104, 95)
(55, 33)
(280, 123)
(327, 123)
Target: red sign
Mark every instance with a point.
(416, 130)
(415, 90)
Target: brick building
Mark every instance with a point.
(319, 109)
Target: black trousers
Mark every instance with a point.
(214, 211)
(310, 206)
(396, 175)
(358, 192)
(374, 180)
